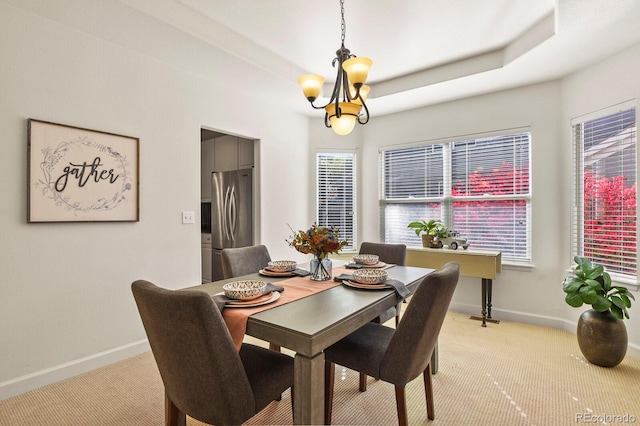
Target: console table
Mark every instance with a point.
(473, 263)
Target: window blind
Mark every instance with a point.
(477, 187)
(604, 200)
(336, 194)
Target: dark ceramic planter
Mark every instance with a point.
(602, 338)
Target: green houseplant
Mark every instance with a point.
(428, 230)
(602, 335)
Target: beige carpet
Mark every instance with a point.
(505, 374)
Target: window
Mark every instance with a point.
(477, 187)
(336, 193)
(604, 208)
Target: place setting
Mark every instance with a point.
(283, 268)
(361, 261)
(247, 294)
(373, 279)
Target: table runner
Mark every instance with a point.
(295, 288)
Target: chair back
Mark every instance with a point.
(244, 260)
(388, 253)
(409, 351)
(198, 362)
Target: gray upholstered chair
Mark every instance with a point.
(388, 253)
(244, 260)
(204, 375)
(398, 355)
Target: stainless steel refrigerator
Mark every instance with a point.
(231, 213)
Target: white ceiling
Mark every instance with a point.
(423, 51)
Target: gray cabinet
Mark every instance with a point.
(245, 153)
(232, 153)
(206, 167)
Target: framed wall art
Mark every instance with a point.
(81, 175)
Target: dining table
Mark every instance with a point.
(310, 324)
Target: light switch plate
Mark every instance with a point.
(188, 217)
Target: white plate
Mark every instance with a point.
(377, 265)
(366, 286)
(269, 273)
(275, 295)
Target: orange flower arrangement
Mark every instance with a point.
(318, 241)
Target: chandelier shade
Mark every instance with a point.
(343, 123)
(357, 70)
(311, 85)
(347, 104)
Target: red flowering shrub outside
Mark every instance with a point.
(610, 222)
(609, 214)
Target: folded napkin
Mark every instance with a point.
(354, 266)
(359, 266)
(301, 272)
(221, 300)
(401, 290)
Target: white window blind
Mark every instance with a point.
(336, 194)
(477, 187)
(604, 207)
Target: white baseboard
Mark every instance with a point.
(45, 377)
(633, 349)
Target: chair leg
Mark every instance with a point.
(428, 391)
(401, 404)
(172, 414)
(274, 347)
(329, 377)
(363, 382)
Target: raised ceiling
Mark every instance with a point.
(423, 51)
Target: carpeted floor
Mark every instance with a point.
(505, 374)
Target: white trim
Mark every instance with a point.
(60, 372)
(458, 138)
(622, 106)
(633, 350)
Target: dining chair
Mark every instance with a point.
(204, 374)
(398, 355)
(389, 253)
(393, 254)
(245, 260)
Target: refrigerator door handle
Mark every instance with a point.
(225, 215)
(232, 213)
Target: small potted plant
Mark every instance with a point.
(428, 230)
(602, 335)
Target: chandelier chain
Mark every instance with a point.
(343, 26)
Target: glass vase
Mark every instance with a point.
(320, 269)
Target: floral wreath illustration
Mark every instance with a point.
(47, 183)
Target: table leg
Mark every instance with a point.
(308, 387)
(487, 290)
(484, 302)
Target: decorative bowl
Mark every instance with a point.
(370, 276)
(282, 265)
(244, 290)
(366, 259)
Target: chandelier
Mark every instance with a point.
(349, 94)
